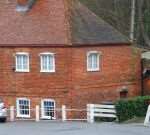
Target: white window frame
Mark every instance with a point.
(98, 61)
(18, 108)
(20, 54)
(41, 62)
(42, 109)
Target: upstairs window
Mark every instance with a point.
(93, 61)
(22, 62)
(47, 62)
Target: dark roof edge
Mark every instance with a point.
(103, 44)
(64, 45)
(126, 39)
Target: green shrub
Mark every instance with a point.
(101, 119)
(130, 108)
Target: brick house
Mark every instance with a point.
(55, 52)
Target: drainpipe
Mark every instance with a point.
(133, 2)
(142, 78)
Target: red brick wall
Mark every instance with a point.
(33, 84)
(120, 66)
(71, 84)
(146, 84)
(45, 23)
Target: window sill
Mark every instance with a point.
(24, 71)
(48, 118)
(23, 116)
(42, 71)
(93, 70)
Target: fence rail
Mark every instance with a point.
(64, 114)
(95, 110)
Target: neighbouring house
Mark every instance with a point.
(146, 72)
(55, 52)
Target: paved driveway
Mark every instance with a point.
(71, 128)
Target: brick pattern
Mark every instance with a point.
(44, 24)
(22, 2)
(71, 84)
(44, 27)
(120, 66)
(146, 84)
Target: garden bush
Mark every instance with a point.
(130, 108)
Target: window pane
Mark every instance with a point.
(93, 63)
(21, 62)
(47, 62)
(18, 62)
(48, 108)
(25, 61)
(89, 62)
(24, 107)
(51, 63)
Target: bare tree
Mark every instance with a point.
(140, 4)
(118, 14)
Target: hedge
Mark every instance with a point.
(130, 108)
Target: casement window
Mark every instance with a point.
(47, 62)
(93, 61)
(23, 107)
(48, 109)
(22, 62)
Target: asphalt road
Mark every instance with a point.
(72, 128)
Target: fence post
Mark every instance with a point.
(90, 113)
(12, 113)
(64, 115)
(37, 113)
(147, 118)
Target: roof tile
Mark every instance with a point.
(47, 24)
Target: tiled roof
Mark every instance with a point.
(44, 24)
(87, 28)
(50, 22)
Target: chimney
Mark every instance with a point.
(25, 5)
(22, 2)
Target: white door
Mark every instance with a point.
(48, 109)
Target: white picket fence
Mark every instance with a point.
(147, 118)
(62, 113)
(100, 110)
(92, 111)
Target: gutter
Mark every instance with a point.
(62, 45)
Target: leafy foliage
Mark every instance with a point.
(128, 109)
